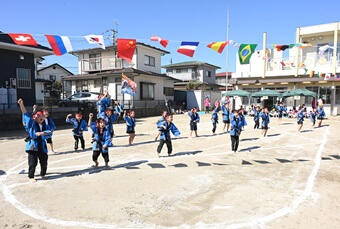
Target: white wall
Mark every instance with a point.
(142, 51)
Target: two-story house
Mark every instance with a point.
(196, 80)
(297, 68)
(18, 70)
(221, 79)
(101, 70)
(46, 76)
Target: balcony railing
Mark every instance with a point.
(101, 63)
(286, 65)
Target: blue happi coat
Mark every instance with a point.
(130, 123)
(109, 120)
(313, 116)
(256, 115)
(300, 116)
(194, 117)
(236, 126)
(165, 129)
(243, 120)
(32, 127)
(321, 113)
(51, 124)
(100, 139)
(102, 104)
(280, 109)
(225, 113)
(78, 127)
(214, 115)
(265, 118)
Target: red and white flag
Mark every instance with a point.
(163, 42)
(23, 39)
(96, 39)
(327, 76)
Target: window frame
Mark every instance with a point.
(25, 82)
(148, 62)
(142, 85)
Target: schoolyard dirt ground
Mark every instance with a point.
(284, 180)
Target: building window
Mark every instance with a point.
(95, 61)
(24, 78)
(147, 91)
(178, 70)
(169, 70)
(149, 61)
(97, 83)
(168, 91)
(53, 77)
(337, 95)
(321, 92)
(118, 80)
(82, 85)
(208, 73)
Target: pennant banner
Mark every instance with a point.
(126, 48)
(245, 51)
(96, 39)
(23, 39)
(218, 46)
(59, 44)
(128, 86)
(188, 48)
(163, 42)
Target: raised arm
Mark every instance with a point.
(22, 106)
(67, 117)
(90, 119)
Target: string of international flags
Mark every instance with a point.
(126, 47)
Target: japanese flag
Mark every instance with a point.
(96, 39)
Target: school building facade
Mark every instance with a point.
(296, 68)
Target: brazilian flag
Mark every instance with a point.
(245, 51)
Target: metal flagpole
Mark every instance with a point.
(227, 52)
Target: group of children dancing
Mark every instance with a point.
(40, 128)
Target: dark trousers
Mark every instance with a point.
(257, 124)
(234, 142)
(82, 141)
(214, 127)
(96, 154)
(168, 144)
(33, 162)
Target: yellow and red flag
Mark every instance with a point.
(126, 48)
(218, 46)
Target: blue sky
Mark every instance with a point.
(203, 21)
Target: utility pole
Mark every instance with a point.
(114, 33)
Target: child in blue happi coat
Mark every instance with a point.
(226, 115)
(301, 118)
(162, 118)
(214, 118)
(119, 108)
(103, 102)
(257, 112)
(242, 118)
(109, 116)
(165, 127)
(50, 123)
(321, 115)
(313, 115)
(102, 140)
(235, 130)
(280, 108)
(36, 146)
(265, 121)
(194, 119)
(79, 126)
(130, 125)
